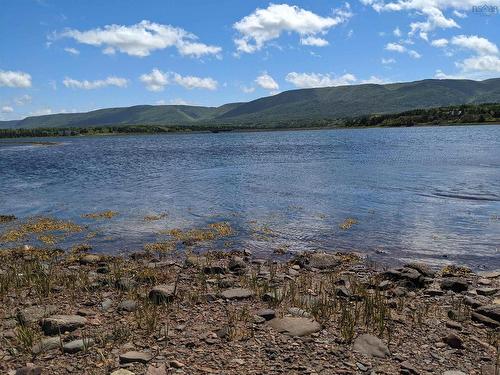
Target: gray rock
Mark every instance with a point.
(455, 284)
(472, 302)
(490, 274)
(267, 314)
(46, 345)
(214, 270)
(125, 283)
(133, 356)
(56, 324)
(295, 326)
(33, 314)
(106, 304)
(323, 261)
(76, 346)
(237, 293)
(371, 346)
(163, 293)
(486, 291)
(122, 371)
(237, 265)
(295, 311)
(128, 305)
(29, 370)
(454, 372)
(90, 259)
(422, 268)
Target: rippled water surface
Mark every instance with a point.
(416, 193)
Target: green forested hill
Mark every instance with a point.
(304, 104)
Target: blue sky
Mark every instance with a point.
(67, 56)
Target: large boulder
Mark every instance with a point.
(295, 326)
(371, 346)
(57, 324)
(163, 293)
(455, 284)
(33, 314)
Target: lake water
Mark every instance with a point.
(416, 193)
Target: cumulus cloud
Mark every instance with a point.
(431, 10)
(91, 85)
(314, 41)
(440, 43)
(7, 109)
(158, 80)
(395, 47)
(267, 82)
(387, 61)
(72, 51)
(481, 46)
(247, 90)
(141, 39)
(9, 78)
(264, 25)
(397, 32)
(310, 80)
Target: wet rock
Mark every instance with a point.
(33, 314)
(237, 265)
(135, 357)
(90, 259)
(371, 346)
(455, 284)
(163, 293)
(295, 326)
(486, 291)
(453, 341)
(267, 314)
(76, 346)
(237, 293)
(46, 345)
(56, 324)
(422, 268)
(195, 261)
(406, 276)
(127, 305)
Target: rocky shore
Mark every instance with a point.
(157, 312)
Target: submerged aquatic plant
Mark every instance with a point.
(100, 215)
(348, 223)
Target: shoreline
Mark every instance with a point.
(252, 130)
(161, 312)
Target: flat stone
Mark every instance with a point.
(491, 311)
(455, 284)
(237, 265)
(46, 345)
(133, 356)
(90, 259)
(454, 372)
(296, 311)
(490, 274)
(422, 268)
(484, 320)
(267, 314)
(295, 326)
(122, 371)
(237, 293)
(33, 314)
(29, 370)
(323, 261)
(128, 305)
(76, 346)
(163, 293)
(56, 324)
(472, 302)
(371, 346)
(486, 291)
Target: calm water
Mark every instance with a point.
(417, 193)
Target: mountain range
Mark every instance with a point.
(339, 102)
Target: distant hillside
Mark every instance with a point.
(308, 104)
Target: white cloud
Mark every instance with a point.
(22, 100)
(267, 82)
(11, 78)
(91, 85)
(375, 80)
(72, 51)
(247, 90)
(141, 39)
(388, 61)
(178, 101)
(481, 46)
(484, 64)
(314, 41)
(157, 80)
(309, 80)
(440, 43)
(264, 25)
(192, 82)
(154, 81)
(395, 47)
(7, 109)
(431, 10)
(397, 32)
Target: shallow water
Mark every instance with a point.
(417, 193)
